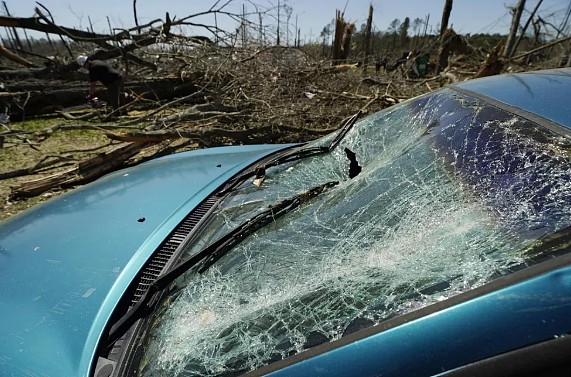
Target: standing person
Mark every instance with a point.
(105, 74)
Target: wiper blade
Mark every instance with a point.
(293, 155)
(209, 255)
(223, 245)
(298, 154)
(260, 171)
(346, 128)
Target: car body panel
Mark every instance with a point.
(524, 314)
(66, 264)
(543, 93)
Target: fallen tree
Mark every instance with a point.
(84, 172)
(129, 40)
(30, 98)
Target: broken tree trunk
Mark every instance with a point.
(493, 64)
(367, 47)
(30, 98)
(342, 41)
(444, 49)
(445, 16)
(84, 172)
(508, 51)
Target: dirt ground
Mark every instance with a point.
(274, 95)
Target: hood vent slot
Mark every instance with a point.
(166, 253)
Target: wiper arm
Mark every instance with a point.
(346, 128)
(299, 154)
(210, 255)
(260, 171)
(293, 155)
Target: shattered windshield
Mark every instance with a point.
(451, 194)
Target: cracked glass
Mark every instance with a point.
(451, 194)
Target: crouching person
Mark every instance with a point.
(111, 78)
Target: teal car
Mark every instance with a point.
(429, 239)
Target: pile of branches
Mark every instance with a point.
(240, 95)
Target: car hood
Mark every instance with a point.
(66, 264)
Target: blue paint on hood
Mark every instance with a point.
(66, 263)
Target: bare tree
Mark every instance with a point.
(444, 49)
(278, 32)
(521, 35)
(416, 25)
(288, 11)
(367, 43)
(517, 11)
(403, 32)
(393, 28)
(445, 16)
(326, 34)
(342, 41)
(426, 24)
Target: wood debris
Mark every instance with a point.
(209, 94)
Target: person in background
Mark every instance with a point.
(412, 64)
(102, 72)
(381, 63)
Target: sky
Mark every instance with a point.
(468, 16)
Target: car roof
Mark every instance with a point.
(66, 263)
(542, 93)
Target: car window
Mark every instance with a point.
(452, 193)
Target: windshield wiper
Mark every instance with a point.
(298, 154)
(216, 250)
(293, 155)
(346, 128)
(208, 256)
(227, 242)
